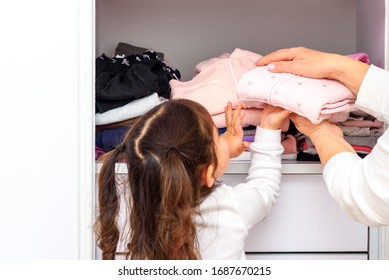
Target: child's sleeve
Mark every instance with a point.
(258, 194)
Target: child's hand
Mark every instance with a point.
(234, 134)
(273, 117)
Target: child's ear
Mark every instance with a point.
(208, 179)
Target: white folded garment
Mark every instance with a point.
(131, 110)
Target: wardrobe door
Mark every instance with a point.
(42, 135)
(304, 219)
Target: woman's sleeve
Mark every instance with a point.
(258, 194)
(361, 186)
(373, 96)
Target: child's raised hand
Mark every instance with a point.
(273, 117)
(234, 134)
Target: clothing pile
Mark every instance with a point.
(360, 130)
(235, 78)
(127, 86)
(136, 79)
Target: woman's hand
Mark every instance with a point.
(313, 131)
(273, 117)
(301, 61)
(316, 64)
(234, 134)
(326, 137)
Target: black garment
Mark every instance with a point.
(124, 49)
(122, 80)
(301, 156)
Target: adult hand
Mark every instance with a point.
(316, 64)
(326, 137)
(311, 130)
(300, 61)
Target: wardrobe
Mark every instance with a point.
(306, 223)
(48, 171)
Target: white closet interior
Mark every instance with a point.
(188, 32)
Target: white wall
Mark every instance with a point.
(191, 31)
(371, 30)
(39, 130)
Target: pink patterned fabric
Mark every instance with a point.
(316, 99)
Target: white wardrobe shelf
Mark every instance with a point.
(288, 167)
(241, 167)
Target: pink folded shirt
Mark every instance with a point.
(216, 81)
(315, 99)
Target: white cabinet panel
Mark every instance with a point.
(305, 219)
(39, 120)
(353, 256)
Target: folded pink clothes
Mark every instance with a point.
(364, 57)
(216, 81)
(251, 117)
(315, 99)
(206, 63)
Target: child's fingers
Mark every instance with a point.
(284, 114)
(238, 122)
(238, 117)
(228, 114)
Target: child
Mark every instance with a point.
(171, 204)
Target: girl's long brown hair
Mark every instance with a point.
(166, 153)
